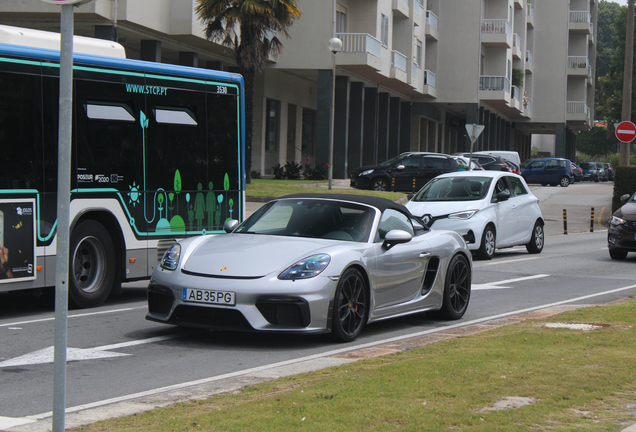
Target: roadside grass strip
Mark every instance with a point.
(526, 376)
(275, 188)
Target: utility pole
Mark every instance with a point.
(627, 79)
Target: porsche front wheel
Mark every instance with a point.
(351, 305)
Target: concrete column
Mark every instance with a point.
(383, 127)
(107, 32)
(150, 50)
(323, 115)
(394, 126)
(341, 128)
(405, 127)
(370, 135)
(494, 132)
(559, 141)
(356, 125)
(187, 58)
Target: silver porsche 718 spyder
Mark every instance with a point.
(313, 263)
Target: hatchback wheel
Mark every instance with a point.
(565, 181)
(380, 184)
(487, 249)
(537, 240)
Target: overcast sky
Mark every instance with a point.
(623, 2)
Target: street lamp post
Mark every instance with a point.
(335, 46)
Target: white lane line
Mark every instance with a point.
(498, 284)
(74, 316)
(45, 355)
(7, 422)
(318, 356)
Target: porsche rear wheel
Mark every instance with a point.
(351, 306)
(456, 288)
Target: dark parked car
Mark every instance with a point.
(577, 172)
(590, 171)
(546, 171)
(621, 235)
(409, 171)
(602, 174)
(609, 170)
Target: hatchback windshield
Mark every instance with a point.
(454, 189)
(311, 218)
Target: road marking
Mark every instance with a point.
(7, 422)
(74, 316)
(497, 285)
(318, 356)
(45, 355)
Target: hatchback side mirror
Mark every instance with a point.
(502, 196)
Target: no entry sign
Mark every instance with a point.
(626, 131)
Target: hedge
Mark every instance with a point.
(624, 183)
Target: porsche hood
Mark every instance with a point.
(250, 255)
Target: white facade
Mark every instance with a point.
(411, 73)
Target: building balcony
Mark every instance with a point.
(516, 46)
(519, 4)
(431, 26)
(527, 108)
(578, 111)
(515, 98)
(579, 66)
(398, 66)
(494, 88)
(496, 33)
(414, 76)
(361, 53)
(581, 21)
(419, 13)
(591, 36)
(529, 64)
(430, 81)
(530, 15)
(401, 8)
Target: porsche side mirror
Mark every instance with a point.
(395, 237)
(624, 198)
(230, 225)
(503, 196)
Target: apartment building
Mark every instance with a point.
(410, 75)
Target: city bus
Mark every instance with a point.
(157, 155)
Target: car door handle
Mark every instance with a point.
(424, 254)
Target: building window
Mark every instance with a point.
(385, 31)
(272, 125)
(341, 19)
(309, 131)
(418, 53)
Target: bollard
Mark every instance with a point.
(592, 221)
(392, 184)
(565, 221)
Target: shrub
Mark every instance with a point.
(255, 175)
(292, 170)
(279, 172)
(318, 173)
(624, 183)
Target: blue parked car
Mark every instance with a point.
(552, 171)
(590, 171)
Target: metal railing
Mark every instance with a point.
(414, 69)
(429, 78)
(516, 94)
(516, 41)
(496, 26)
(431, 19)
(577, 107)
(405, 2)
(578, 62)
(580, 17)
(530, 10)
(495, 83)
(360, 42)
(528, 56)
(399, 60)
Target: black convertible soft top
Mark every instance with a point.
(377, 202)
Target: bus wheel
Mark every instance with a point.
(92, 264)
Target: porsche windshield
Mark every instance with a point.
(454, 189)
(312, 218)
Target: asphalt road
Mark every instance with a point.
(122, 363)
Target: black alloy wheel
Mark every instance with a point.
(351, 306)
(456, 288)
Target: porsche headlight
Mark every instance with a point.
(367, 172)
(307, 267)
(463, 215)
(616, 221)
(170, 259)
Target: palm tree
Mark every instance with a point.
(249, 28)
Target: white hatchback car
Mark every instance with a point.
(489, 209)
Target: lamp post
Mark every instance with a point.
(335, 46)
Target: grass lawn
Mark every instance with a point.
(262, 188)
(571, 380)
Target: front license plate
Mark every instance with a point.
(226, 298)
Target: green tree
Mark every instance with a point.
(594, 142)
(249, 28)
(608, 12)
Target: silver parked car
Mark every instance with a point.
(313, 263)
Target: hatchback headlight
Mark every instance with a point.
(366, 172)
(463, 215)
(616, 221)
(307, 267)
(170, 259)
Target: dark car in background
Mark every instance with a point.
(552, 171)
(590, 171)
(600, 169)
(609, 170)
(621, 233)
(577, 172)
(490, 162)
(406, 172)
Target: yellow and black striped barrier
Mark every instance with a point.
(565, 221)
(592, 221)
